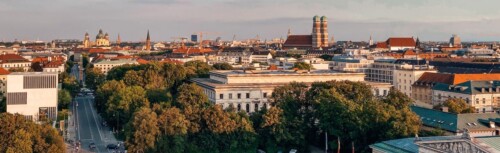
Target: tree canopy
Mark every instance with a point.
(222, 66)
(456, 105)
(21, 135)
(302, 66)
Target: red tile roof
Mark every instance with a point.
(381, 45)
(401, 41)
(298, 40)
(191, 50)
(3, 71)
(53, 64)
(454, 79)
(8, 58)
(409, 52)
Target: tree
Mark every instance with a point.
(94, 77)
(21, 135)
(222, 66)
(349, 112)
(105, 91)
(296, 119)
(134, 78)
(302, 66)
(191, 95)
(70, 84)
(143, 131)
(174, 75)
(3, 104)
(326, 57)
(172, 122)
(37, 67)
(198, 68)
(124, 102)
(456, 105)
(192, 101)
(85, 60)
(17, 69)
(397, 99)
(63, 100)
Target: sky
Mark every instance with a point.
(356, 20)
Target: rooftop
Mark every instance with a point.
(401, 41)
(455, 122)
(278, 72)
(33, 73)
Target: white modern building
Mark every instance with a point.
(250, 90)
(32, 94)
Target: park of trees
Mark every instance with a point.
(154, 108)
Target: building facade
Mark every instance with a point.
(405, 75)
(484, 96)
(106, 65)
(33, 94)
(249, 91)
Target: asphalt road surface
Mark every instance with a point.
(90, 129)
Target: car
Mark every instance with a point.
(79, 94)
(92, 146)
(112, 146)
(293, 151)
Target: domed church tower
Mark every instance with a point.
(316, 32)
(324, 32)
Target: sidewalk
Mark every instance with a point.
(71, 132)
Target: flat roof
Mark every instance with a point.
(32, 73)
(278, 72)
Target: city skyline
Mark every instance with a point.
(349, 20)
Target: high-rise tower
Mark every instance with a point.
(148, 42)
(316, 32)
(324, 32)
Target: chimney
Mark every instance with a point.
(444, 109)
(482, 90)
(492, 124)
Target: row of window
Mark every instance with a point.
(45, 81)
(477, 100)
(247, 107)
(238, 95)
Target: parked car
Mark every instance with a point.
(92, 146)
(112, 146)
(293, 151)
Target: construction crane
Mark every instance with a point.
(182, 39)
(201, 37)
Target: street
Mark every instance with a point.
(87, 123)
(89, 126)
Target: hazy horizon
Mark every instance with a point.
(348, 19)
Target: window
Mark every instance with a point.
(248, 108)
(477, 100)
(221, 96)
(239, 95)
(239, 107)
(484, 100)
(265, 106)
(256, 107)
(264, 95)
(230, 96)
(248, 95)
